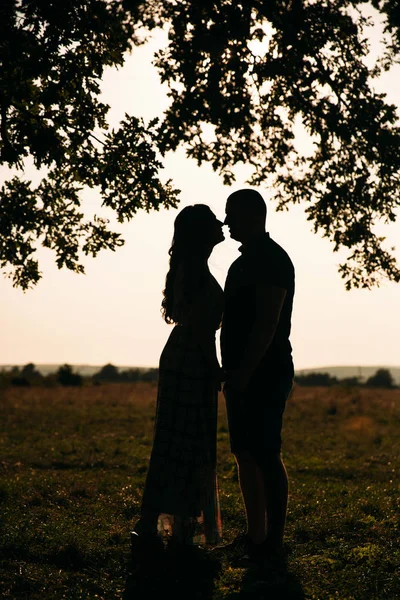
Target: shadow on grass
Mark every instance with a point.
(198, 580)
(169, 577)
(269, 585)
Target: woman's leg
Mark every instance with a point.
(183, 529)
(147, 524)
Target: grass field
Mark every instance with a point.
(73, 463)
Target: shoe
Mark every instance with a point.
(234, 549)
(146, 547)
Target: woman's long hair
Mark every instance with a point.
(189, 252)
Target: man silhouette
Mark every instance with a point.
(257, 359)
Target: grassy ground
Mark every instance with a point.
(73, 463)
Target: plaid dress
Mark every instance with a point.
(181, 484)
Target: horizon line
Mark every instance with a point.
(84, 364)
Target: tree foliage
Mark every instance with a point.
(111, 373)
(66, 376)
(53, 56)
(244, 78)
(383, 378)
(24, 376)
(107, 373)
(316, 379)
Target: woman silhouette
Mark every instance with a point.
(180, 498)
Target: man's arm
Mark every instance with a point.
(269, 302)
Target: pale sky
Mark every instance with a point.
(112, 313)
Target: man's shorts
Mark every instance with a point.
(255, 417)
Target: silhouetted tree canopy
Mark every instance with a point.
(381, 379)
(30, 372)
(130, 375)
(150, 375)
(316, 379)
(244, 78)
(107, 373)
(21, 376)
(110, 372)
(66, 376)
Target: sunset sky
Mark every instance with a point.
(112, 314)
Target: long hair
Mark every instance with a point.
(188, 251)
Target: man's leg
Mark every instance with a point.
(251, 483)
(146, 545)
(276, 500)
(270, 461)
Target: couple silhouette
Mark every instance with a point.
(180, 502)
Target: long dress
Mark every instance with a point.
(181, 484)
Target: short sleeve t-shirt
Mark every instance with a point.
(262, 261)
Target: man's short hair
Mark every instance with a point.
(251, 201)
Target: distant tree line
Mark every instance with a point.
(382, 378)
(111, 373)
(65, 375)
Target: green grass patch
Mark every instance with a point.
(73, 464)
